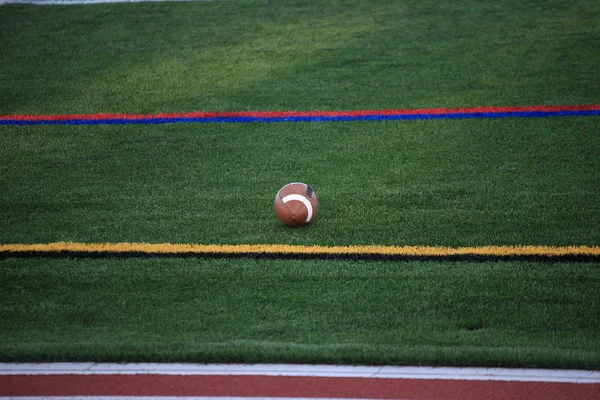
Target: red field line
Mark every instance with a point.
(316, 113)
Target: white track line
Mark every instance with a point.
(165, 398)
(89, 2)
(478, 374)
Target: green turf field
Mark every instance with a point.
(297, 55)
(436, 183)
(501, 314)
(453, 183)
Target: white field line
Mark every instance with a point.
(89, 2)
(389, 372)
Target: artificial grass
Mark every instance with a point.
(492, 314)
(297, 55)
(437, 183)
(449, 183)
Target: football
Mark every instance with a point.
(296, 204)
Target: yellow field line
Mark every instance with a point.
(240, 249)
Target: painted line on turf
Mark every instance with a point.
(304, 116)
(383, 372)
(127, 249)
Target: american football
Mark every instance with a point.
(296, 204)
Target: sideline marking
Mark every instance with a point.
(381, 372)
(304, 116)
(482, 253)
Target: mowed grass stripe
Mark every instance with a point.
(583, 253)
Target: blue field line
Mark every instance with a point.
(242, 119)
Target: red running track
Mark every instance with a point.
(290, 386)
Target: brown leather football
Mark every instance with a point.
(296, 204)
